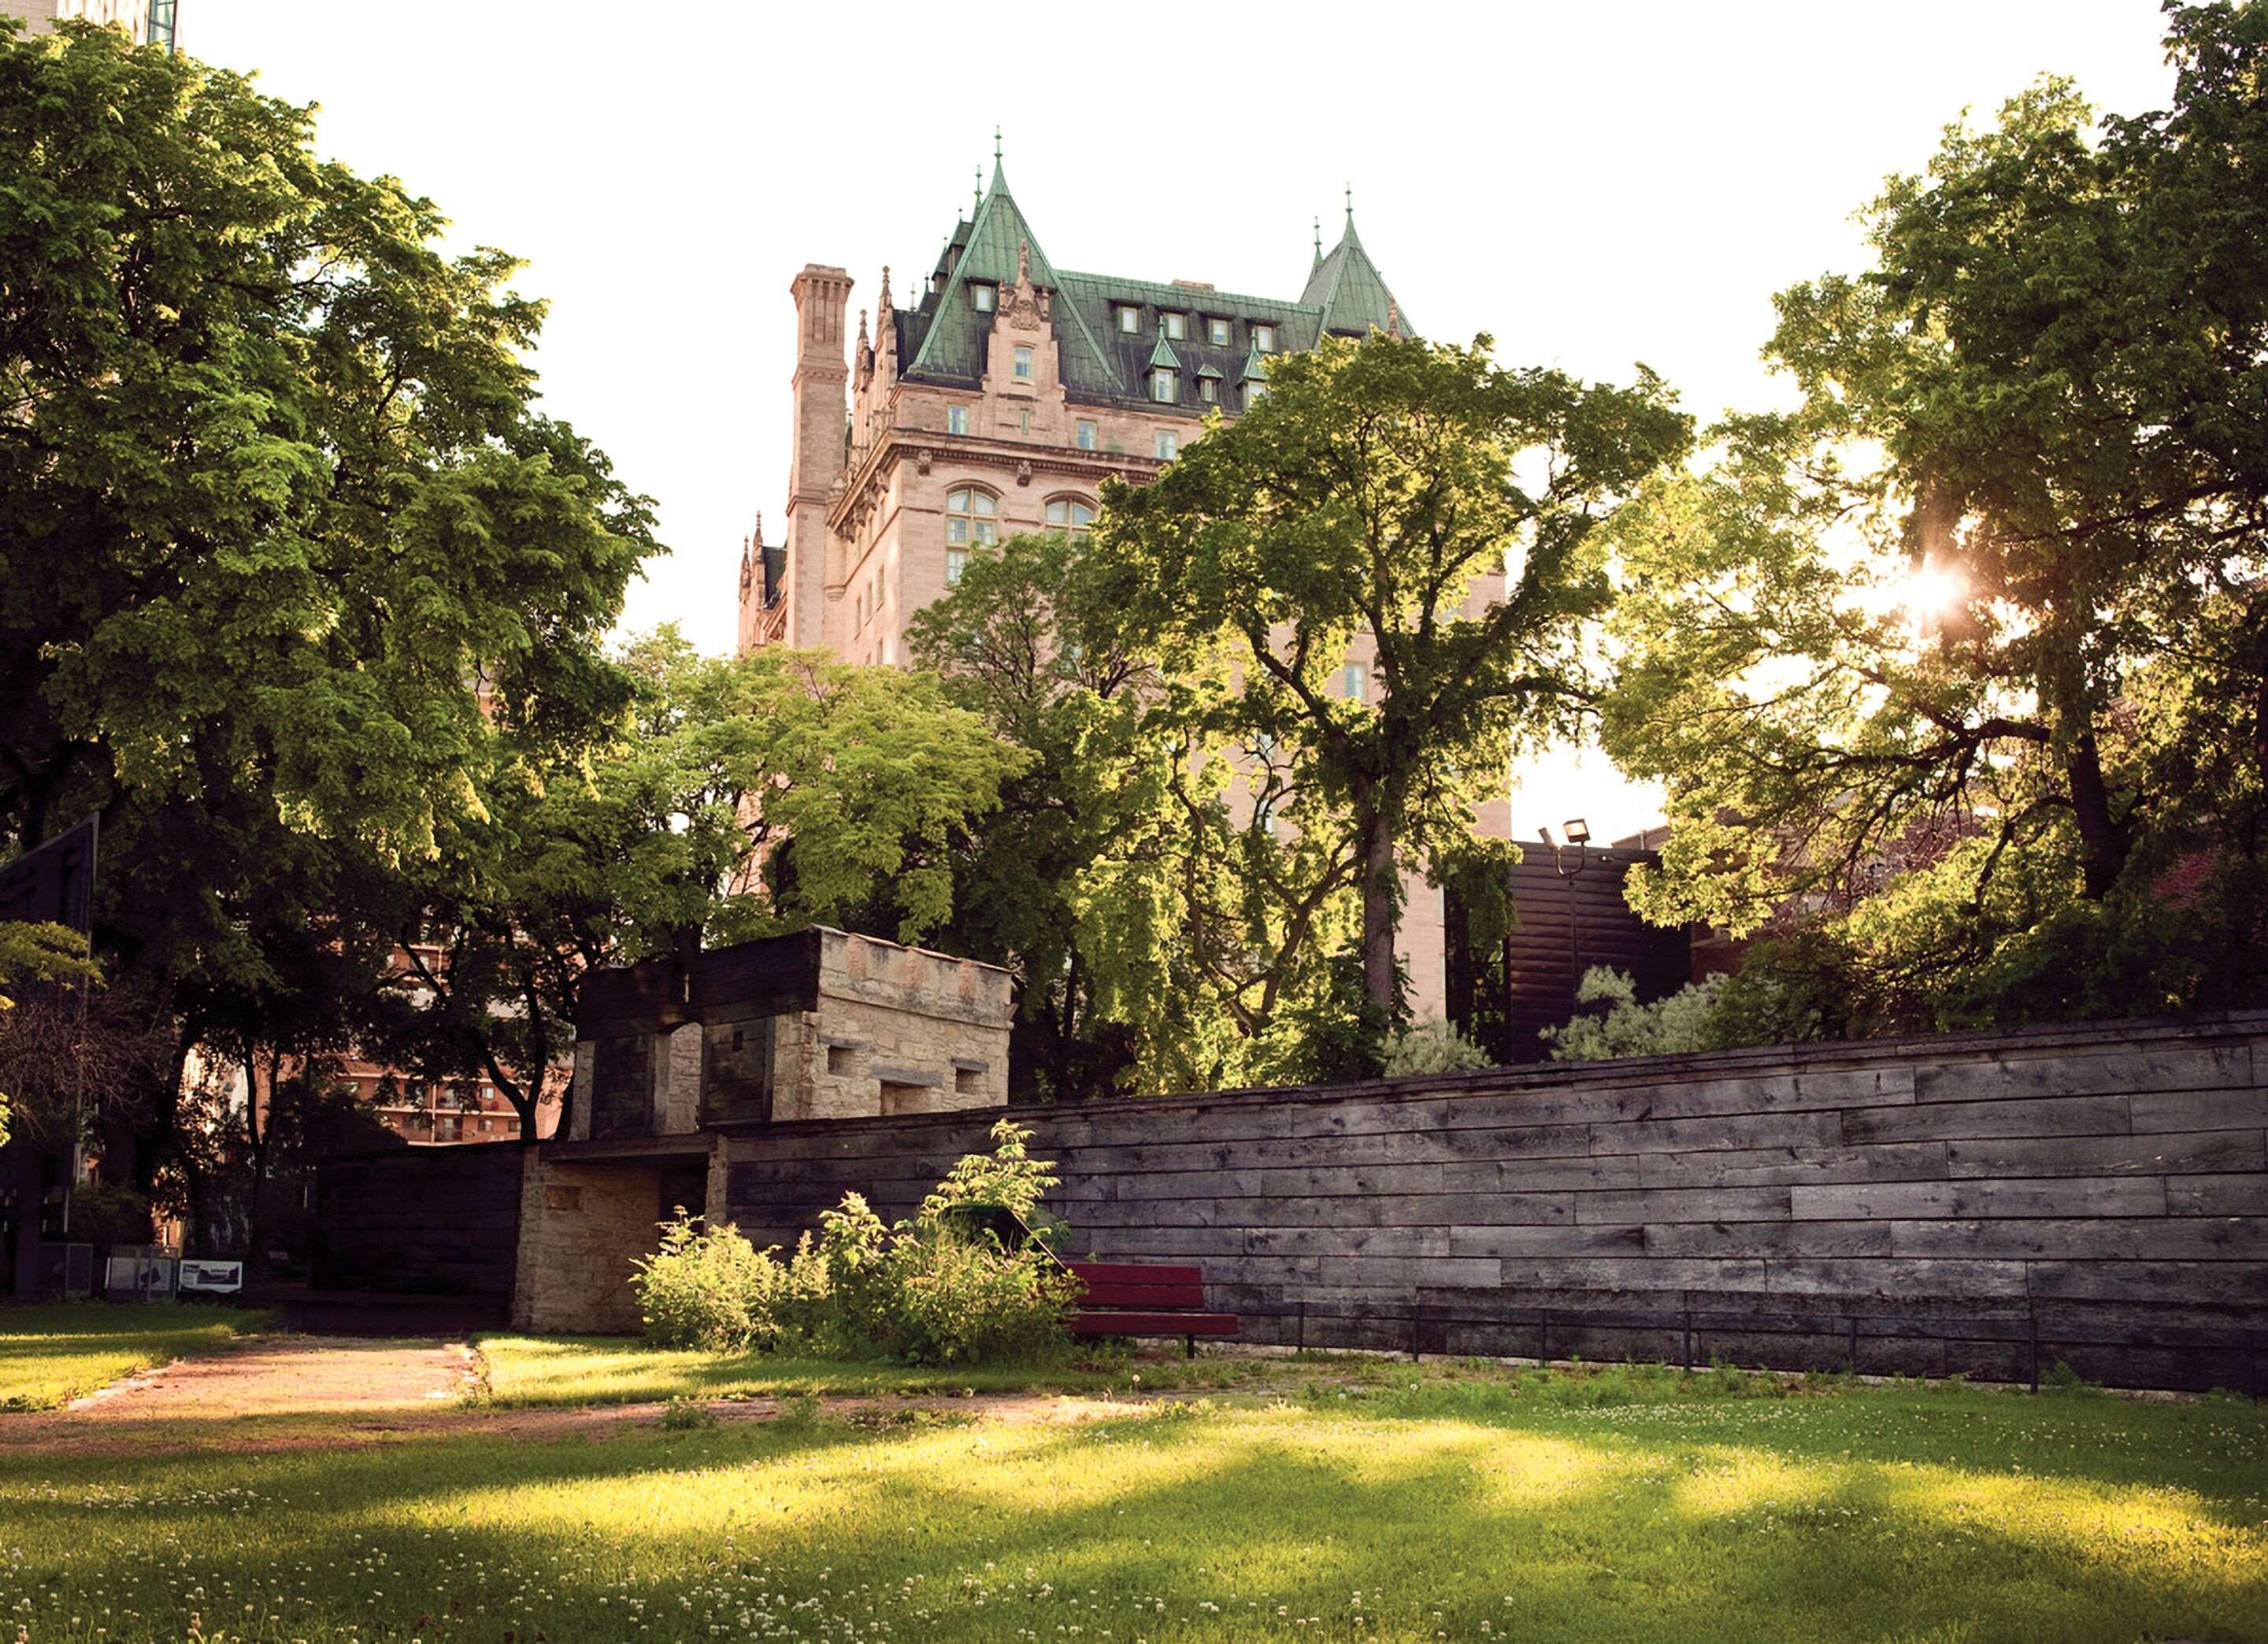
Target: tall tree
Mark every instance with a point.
(1988, 605)
(1365, 497)
(741, 798)
(283, 545)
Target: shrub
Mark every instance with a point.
(960, 1300)
(923, 1291)
(1432, 1046)
(1685, 1021)
(710, 1287)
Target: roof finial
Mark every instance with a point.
(979, 191)
(1319, 237)
(996, 145)
(1350, 199)
(882, 303)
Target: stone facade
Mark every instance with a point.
(819, 1025)
(995, 401)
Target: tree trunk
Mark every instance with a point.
(2103, 845)
(1378, 900)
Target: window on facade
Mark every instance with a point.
(1067, 516)
(1264, 338)
(956, 560)
(1169, 445)
(1129, 320)
(1163, 387)
(1087, 436)
(969, 518)
(983, 298)
(956, 419)
(1217, 333)
(1253, 393)
(1208, 390)
(1023, 365)
(1177, 326)
(1023, 422)
(1357, 687)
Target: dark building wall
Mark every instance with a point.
(1565, 922)
(1931, 1206)
(441, 1221)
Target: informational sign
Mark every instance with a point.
(151, 1278)
(212, 1278)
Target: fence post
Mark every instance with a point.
(1854, 1344)
(1543, 1335)
(1303, 1325)
(1689, 1332)
(1416, 1315)
(2032, 1313)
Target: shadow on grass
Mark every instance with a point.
(1238, 1522)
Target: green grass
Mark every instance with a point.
(1400, 1504)
(522, 1372)
(53, 1352)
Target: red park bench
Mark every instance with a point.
(1146, 1299)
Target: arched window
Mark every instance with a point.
(1068, 516)
(969, 518)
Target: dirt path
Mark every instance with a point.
(299, 1392)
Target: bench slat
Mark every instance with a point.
(1153, 1324)
(1136, 1273)
(1144, 1296)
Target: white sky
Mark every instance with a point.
(1591, 184)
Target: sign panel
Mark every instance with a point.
(212, 1278)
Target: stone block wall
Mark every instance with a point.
(899, 1030)
(1979, 1204)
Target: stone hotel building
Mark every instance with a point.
(996, 400)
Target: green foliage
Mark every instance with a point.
(1686, 1020)
(1378, 497)
(37, 951)
(1957, 672)
(1432, 1046)
(1008, 1176)
(290, 565)
(921, 1293)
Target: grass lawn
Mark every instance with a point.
(522, 1372)
(1395, 1503)
(52, 1353)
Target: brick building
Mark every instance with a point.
(995, 401)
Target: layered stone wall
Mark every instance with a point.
(1981, 1205)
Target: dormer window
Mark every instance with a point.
(1217, 333)
(1209, 390)
(1177, 326)
(1023, 365)
(1264, 338)
(1253, 393)
(1129, 320)
(1166, 387)
(983, 298)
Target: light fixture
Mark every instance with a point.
(1578, 831)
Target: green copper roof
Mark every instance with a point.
(1351, 292)
(944, 338)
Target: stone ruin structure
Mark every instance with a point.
(672, 1059)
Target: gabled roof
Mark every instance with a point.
(952, 343)
(944, 338)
